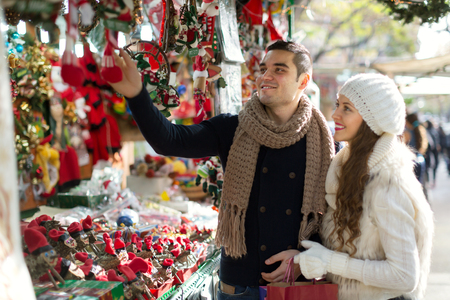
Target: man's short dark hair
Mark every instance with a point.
(302, 58)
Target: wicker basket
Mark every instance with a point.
(194, 193)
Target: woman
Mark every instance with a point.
(378, 226)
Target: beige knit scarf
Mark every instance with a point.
(256, 129)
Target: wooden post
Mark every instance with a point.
(15, 280)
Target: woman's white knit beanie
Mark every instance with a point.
(378, 101)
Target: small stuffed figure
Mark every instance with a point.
(141, 267)
(48, 159)
(148, 251)
(112, 276)
(65, 243)
(76, 231)
(108, 258)
(87, 227)
(136, 284)
(212, 176)
(121, 250)
(42, 256)
(186, 257)
(132, 246)
(67, 269)
(48, 222)
(91, 268)
(166, 270)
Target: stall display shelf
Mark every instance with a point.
(195, 282)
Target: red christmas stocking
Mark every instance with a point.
(110, 72)
(71, 72)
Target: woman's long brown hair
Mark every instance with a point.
(352, 181)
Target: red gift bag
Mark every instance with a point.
(290, 290)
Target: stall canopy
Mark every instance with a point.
(436, 66)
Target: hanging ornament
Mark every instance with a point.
(85, 27)
(169, 27)
(71, 71)
(12, 17)
(191, 32)
(117, 15)
(42, 13)
(154, 67)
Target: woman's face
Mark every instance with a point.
(347, 120)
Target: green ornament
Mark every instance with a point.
(166, 113)
(193, 52)
(153, 95)
(221, 82)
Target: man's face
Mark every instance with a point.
(278, 84)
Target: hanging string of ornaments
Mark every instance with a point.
(186, 29)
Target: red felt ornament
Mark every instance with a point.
(109, 247)
(87, 223)
(158, 248)
(138, 264)
(112, 276)
(119, 244)
(87, 267)
(127, 272)
(33, 223)
(55, 234)
(36, 241)
(139, 244)
(134, 238)
(82, 256)
(176, 252)
(167, 262)
(43, 218)
(110, 72)
(101, 278)
(71, 71)
(74, 228)
(106, 236)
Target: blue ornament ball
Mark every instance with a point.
(11, 51)
(181, 89)
(19, 48)
(126, 220)
(15, 35)
(7, 44)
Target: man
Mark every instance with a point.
(275, 155)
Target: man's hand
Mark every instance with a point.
(131, 83)
(278, 274)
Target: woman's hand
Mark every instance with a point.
(278, 274)
(315, 262)
(131, 84)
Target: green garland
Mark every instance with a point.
(428, 11)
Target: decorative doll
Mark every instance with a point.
(42, 256)
(87, 227)
(108, 258)
(141, 267)
(76, 231)
(65, 244)
(136, 284)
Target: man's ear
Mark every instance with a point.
(304, 80)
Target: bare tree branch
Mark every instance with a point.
(333, 31)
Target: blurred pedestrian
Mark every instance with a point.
(432, 154)
(444, 140)
(378, 227)
(415, 136)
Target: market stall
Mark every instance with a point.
(102, 213)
